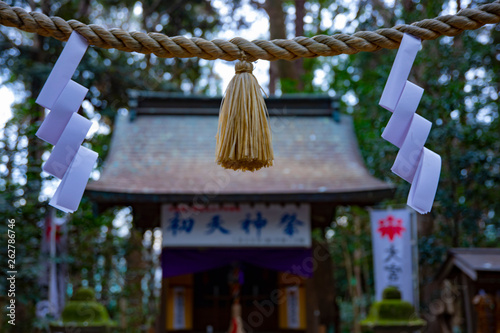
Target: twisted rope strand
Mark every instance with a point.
(298, 47)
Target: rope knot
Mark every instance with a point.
(243, 67)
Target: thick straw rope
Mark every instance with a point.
(299, 47)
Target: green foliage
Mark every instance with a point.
(466, 200)
(346, 238)
(390, 309)
(89, 312)
(460, 76)
(84, 294)
(83, 311)
(391, 293)
(96, 247)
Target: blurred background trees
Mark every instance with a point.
(120, 264)
(461, 80)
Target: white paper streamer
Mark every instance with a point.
(408, 157)
(68, 102)
(70, 191)
(399, 124)
(65, 128)
(63, 70)
(409, 131)
(399, 72)
(67, 146)
(424, 186)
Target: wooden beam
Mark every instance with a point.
(360, 198)
(161, 325)
(467, 303)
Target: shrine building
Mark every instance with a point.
(237, 236)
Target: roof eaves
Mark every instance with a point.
(367, 197)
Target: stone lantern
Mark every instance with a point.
(83, 314)
(391, 315)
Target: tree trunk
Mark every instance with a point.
(357, 273)
(134, 276)
(36, 114)
(298, 64)
(108, 266)
(280, 69)
(349, 267)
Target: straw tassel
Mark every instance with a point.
(244, 140)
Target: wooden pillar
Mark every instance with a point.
(324, 285)
(322, 309)
(312, 321)
(161, 324)
(467, 303)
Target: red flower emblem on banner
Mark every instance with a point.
(390, 227)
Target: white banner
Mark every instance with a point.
(392, 251)
(292, 308)
(179, 308)
(236, 226)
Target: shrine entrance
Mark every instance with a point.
(270, 300)
(213, 299)
(211, 217)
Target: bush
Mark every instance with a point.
(392, 310)
(83, 310)
(391, 293)
(84, 294)
(89, 312)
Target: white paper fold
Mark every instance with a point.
(408, 157)
(63, 70)
(424, 186)
(399, 124)
(70, 190)
(65, 128)
(399, 72)
(409, 131)
(67, 146)
(68, 102)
